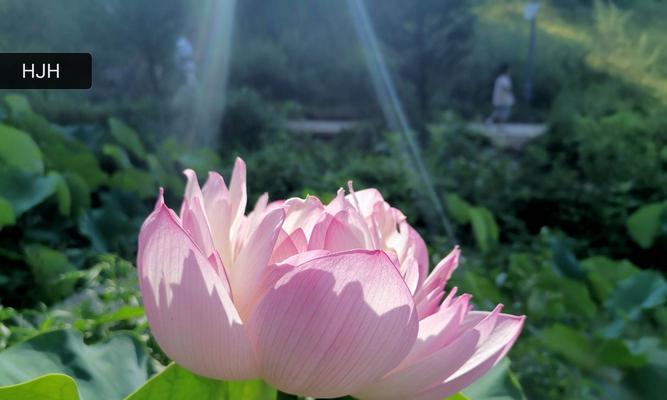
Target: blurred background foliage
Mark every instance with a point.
(570, 230)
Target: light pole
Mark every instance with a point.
(530, 14)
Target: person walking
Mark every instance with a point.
(503, 97)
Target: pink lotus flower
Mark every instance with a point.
(317, 300)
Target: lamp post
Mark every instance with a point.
(530, 14)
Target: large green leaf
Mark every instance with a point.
(576, 297)
(107, 370)
(61, 153)
(18, 150)
(644, 224)
(590, 353)
(177, 383)
(616, 352)
(45, 387)
(26, 190)
(570, 343)
(7, 216)
(127, 137)
(644, 290)
(605, 273)
(497, 384)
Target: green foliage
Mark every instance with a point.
(47, 387)
(569, 231)
(499, 383)
(641, 291)
(18, 150)
(24, 190)
(584, 317)
(644, 224)
(110, 369)
(604, 274)
(52, 271)
(7, 216)
(127, 137)
(107, 300)
(176, 383)
(484, 227)
(458, 208)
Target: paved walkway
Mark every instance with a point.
(322, 127)
(514, 135)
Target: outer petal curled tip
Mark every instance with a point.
(189, 310)
(321, 330)
(488, 353)
(461, 360)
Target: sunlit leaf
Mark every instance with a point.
(177, 383)
(458, 396)
(45, 387)
(61, 153)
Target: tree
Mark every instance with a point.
(427, 41)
